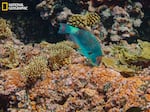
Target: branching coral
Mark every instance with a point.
(58, 54)
(5, 30)
(128, 58)
(35, 69)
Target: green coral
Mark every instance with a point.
(145, 50)
(82, 21)
(11, 58)
(5, 30)
(127, 58)
(115, 64)
(35, 69)
(140, 53)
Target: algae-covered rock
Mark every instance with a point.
(128, 59)
(10, 59)
(115, 64)
(145, 52)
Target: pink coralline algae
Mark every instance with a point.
(11, 82)
(77, 88)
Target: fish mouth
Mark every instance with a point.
(98, 60)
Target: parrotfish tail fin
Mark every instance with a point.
(67, 29)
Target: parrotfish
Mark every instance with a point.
(88, 44)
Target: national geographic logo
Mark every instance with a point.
(13, 6)
(4, 6)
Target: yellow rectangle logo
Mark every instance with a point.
(4, 6)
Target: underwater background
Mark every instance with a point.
(75, 56)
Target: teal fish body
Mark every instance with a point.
(87, 42)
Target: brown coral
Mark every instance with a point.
(59, 54)
(92, 19)
(77, 20)
(12, 80)
(83, 21)
(5, 31)
(10, 57)
(35, 69)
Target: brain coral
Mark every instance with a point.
(92, 19)
(82, 21)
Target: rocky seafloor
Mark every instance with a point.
(55, 77)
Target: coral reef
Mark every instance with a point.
(128, 58)
(9, 57)
(11, 81)
(77, 20)
(81, 88)
(5, 31)
(64, 14)
(33, 86)
(47, 77)
(122, 26)
(35, 69)
(126, 19)
(75, 87)
(48, 6)
(59, 54)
